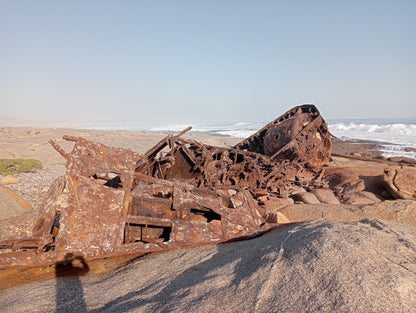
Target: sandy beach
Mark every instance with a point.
(29, 142)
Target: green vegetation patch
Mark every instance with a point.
(14, 166)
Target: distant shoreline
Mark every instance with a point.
(397, 140)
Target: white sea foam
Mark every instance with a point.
(237, 129)
(391, 132)
(398, 138)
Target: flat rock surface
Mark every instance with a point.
(400, 181)
(11, 203)
(401, 211)
(366, 266)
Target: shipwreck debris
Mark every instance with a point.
(118, 203)
(300, 134)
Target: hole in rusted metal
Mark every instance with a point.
(110, 180)
(56, 225)
(114, 183)
(146, 233)
(240, 158)
(207, 213)
(160, 194)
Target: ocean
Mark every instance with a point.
(396, 136)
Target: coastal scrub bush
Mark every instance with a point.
(14, 166)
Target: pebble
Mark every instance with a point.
(306, 197)
(361, 197)
(325, 196)
(9, 180)
(33, 132)
(277, 217)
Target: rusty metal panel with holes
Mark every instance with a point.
(300, 134)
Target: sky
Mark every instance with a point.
(182, 61)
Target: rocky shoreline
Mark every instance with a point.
(347, 247)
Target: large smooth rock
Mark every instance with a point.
(400, 181)
(350, 180)
(325, 196)
(401, 211)
(276, 217)
(366, 266)
(306, 197)
(345, 180)
(273, 204)
(11, 203)
(360, 197)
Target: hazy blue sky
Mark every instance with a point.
(206, 60)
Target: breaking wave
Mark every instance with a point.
(237, 129)
(396, 138)
(392, 132)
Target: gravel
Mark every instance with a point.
(34, 185)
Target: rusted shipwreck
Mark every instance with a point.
(116, 204)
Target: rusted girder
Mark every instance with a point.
(207, 166)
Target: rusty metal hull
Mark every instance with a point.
(300, 134)
(117, 203)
